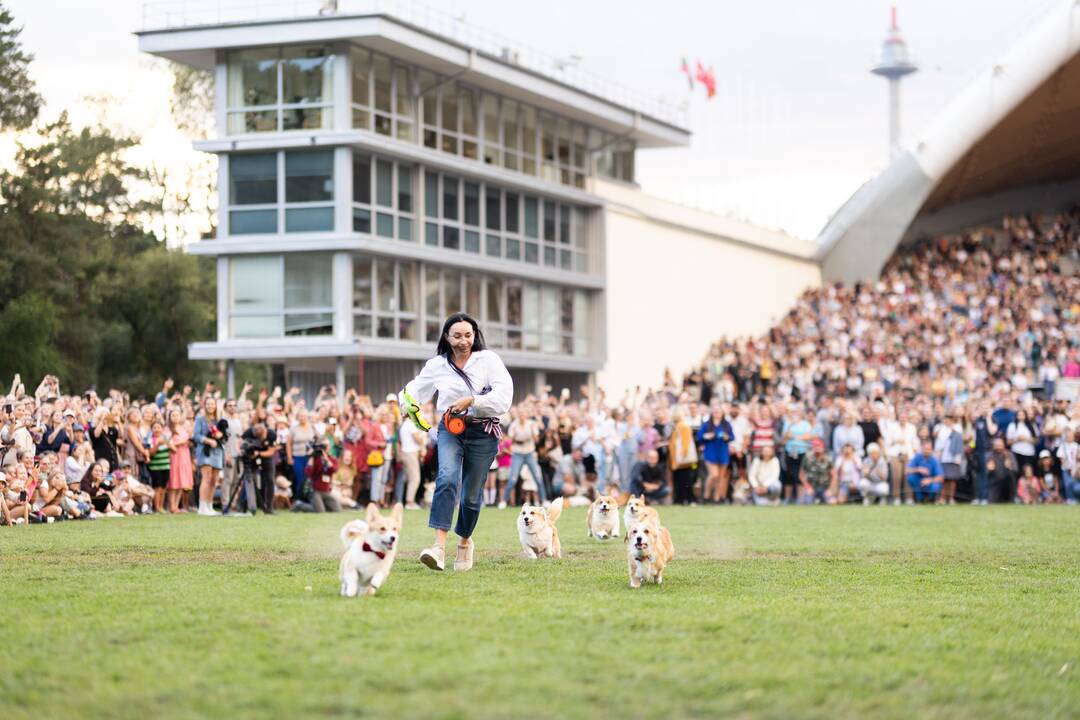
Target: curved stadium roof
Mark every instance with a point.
(1009, 141)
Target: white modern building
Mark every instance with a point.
(383, 165)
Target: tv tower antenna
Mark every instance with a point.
(893, 65)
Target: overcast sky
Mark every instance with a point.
(797, 125)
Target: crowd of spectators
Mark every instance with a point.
(947, 380)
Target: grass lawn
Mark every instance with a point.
(766, 612)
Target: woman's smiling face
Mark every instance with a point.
(460, 337)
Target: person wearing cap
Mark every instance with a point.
(816, 473)
(875, 476)
(1049, 480)
(473, 382)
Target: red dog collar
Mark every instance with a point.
(368, 548)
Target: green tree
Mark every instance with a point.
(19, 101)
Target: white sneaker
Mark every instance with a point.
(909, 502)
(502, 504)
(464, 560)
(412, 506)
(207, 510)
(434, 557)
(866, 502)
(984, 501)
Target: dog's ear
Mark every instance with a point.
(372, 512)
(396, 513)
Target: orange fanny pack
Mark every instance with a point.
(455, 424)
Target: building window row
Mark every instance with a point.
(409, 300)
(273, 296)
(291, 88)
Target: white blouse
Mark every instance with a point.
(492, 387)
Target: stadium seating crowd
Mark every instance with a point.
(954, 377)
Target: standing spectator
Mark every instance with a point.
(298, 449)
(180, 470)
(524, 433)
(412, 443)
(925, 474)
(949, 448)
(983, 429)
(162, 398)
(901, 439)
(1021, 437)
(158, 466)
(1049, 480)
(716, 435)
(797, 434)
(209, 453)
(683, 458)
(849, 433)
(104, 435)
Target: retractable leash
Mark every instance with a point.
(454, 422)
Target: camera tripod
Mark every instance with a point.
(250, 479)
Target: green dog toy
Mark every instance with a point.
(412, 410)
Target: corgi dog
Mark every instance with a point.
(648, 550)
(537, 531)
(370, 547)
(637, 511)
(602, 521)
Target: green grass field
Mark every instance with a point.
(766, 612)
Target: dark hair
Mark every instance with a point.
(444, 349)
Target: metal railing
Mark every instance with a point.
(169, 14)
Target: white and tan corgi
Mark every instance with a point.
(602, 520)
(370, 547)
(537, 532)
(648, 551)
(637, 511)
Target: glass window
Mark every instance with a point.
(491, 119)
(564, 224)
(528, 140)
(403, 92)
(493, 246)
(513, 249)
(361, 82)
(451, 238)
(431, 234)
(580, 323)
(530, 315)
(468, 112)
(306, 75)
(431, 194)
(472, 204)
(309, 176)
(550, 337)
(566, 311)
(513, 304)
(580, 227)
(246, 326)
(405, 189)
(362, 286)
(431, 292)
(384, 225)
(494, 300)
(532, 253)
(308, 280)
(381, 66)
(549, 220)
(361, 184)
(248, 222)
(512, 212)
(452, 291)
(361, 221)
(531, 227)
(309, 323)
(492, 208)
(430, 97)
(384, 183)
(405, 228)
(385, 300)
(449, 108)
(408, 287)
(313, 219)
(253, 179)
(472, 295)
(450, 198)
(255, 283)
(253, 78)
(472, 241)
(510, 124)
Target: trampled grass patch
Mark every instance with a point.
(766, 612)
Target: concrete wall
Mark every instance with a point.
(679, 278)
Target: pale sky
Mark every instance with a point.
(797, 125)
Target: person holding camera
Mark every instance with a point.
(320, 469)
(209, 453)
(257, 449)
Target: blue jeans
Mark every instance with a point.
(982, 482)
(463, 467)
(929, 492)
(299, 464)
(1071, 485)
(517, 460)
(638, 488)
